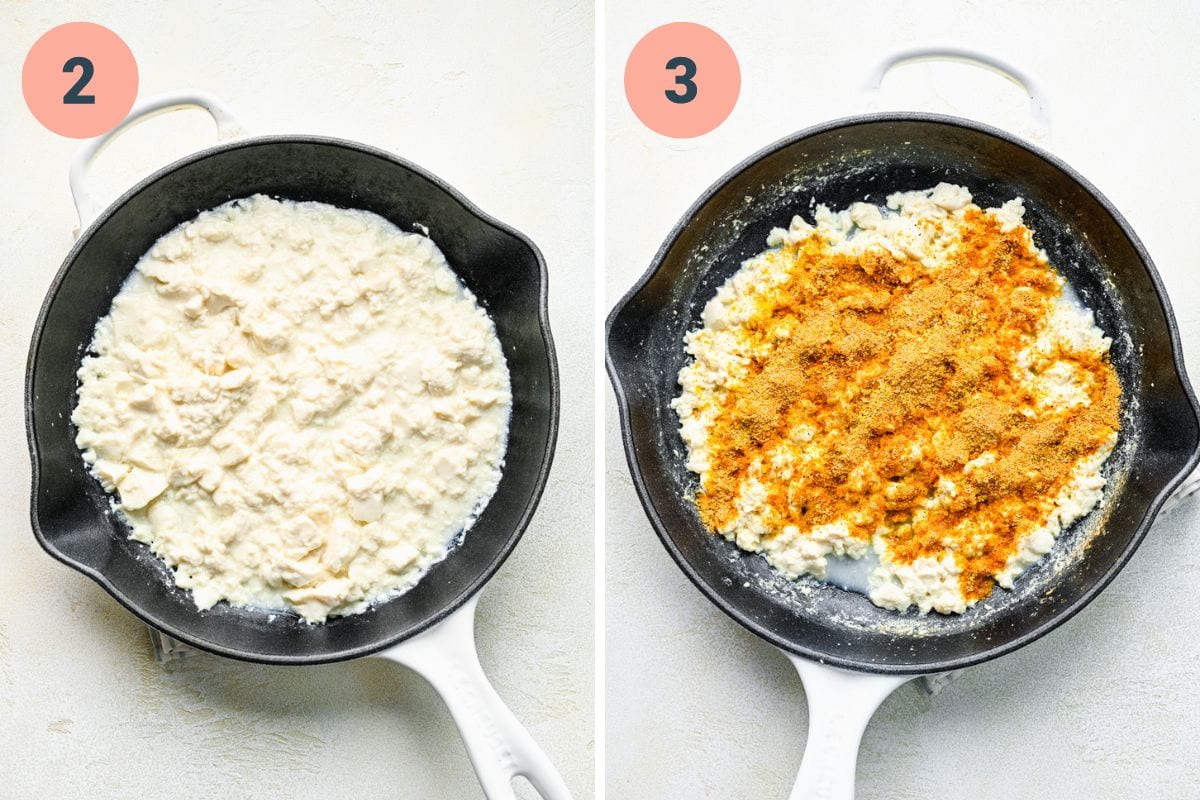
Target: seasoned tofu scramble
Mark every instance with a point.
(915, 387)
(296, 406)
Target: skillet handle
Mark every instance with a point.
(499, 747)
(840, 704)
(228, 127)
(1038, 107)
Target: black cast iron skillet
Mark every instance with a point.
(72, 517)
(430, 627)
(865, 158)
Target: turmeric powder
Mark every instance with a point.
(904, 401)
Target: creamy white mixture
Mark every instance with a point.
(919, 225)
(297, 406)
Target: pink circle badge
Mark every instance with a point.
(682, 80)
(80, 79)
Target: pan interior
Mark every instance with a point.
(72, 514)
(865, 160)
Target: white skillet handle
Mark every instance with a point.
(227, 128)
(1038, 108)
(840, 704)
(499, 746)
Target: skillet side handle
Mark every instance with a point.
(840, 704)
(88, 207)
(1039, 110)
(498, 745)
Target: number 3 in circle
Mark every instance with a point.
(86, 70)
(683, 80)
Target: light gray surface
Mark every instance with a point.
(461, 89)
(1106, 706)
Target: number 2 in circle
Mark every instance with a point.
(73, 96)
(687, 91)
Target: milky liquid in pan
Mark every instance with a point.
(851, 574)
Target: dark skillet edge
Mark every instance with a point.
(874, 667)
(526, 514)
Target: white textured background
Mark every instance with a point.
(496, 99)
(1107, 706)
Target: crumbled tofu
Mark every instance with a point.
(298, 406)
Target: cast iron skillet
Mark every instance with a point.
(72, 517)
(864, 158)
(429, 628)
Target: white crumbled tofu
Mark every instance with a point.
(298, 406)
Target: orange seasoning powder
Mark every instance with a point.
(903, 377)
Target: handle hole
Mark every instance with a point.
(145, 147)
(954, 87)
(524, 790)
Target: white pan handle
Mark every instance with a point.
(1039, 129)
(499, 747)
(840, 704)
(227, 128)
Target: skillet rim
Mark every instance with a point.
(882, 667)
(475, 584)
